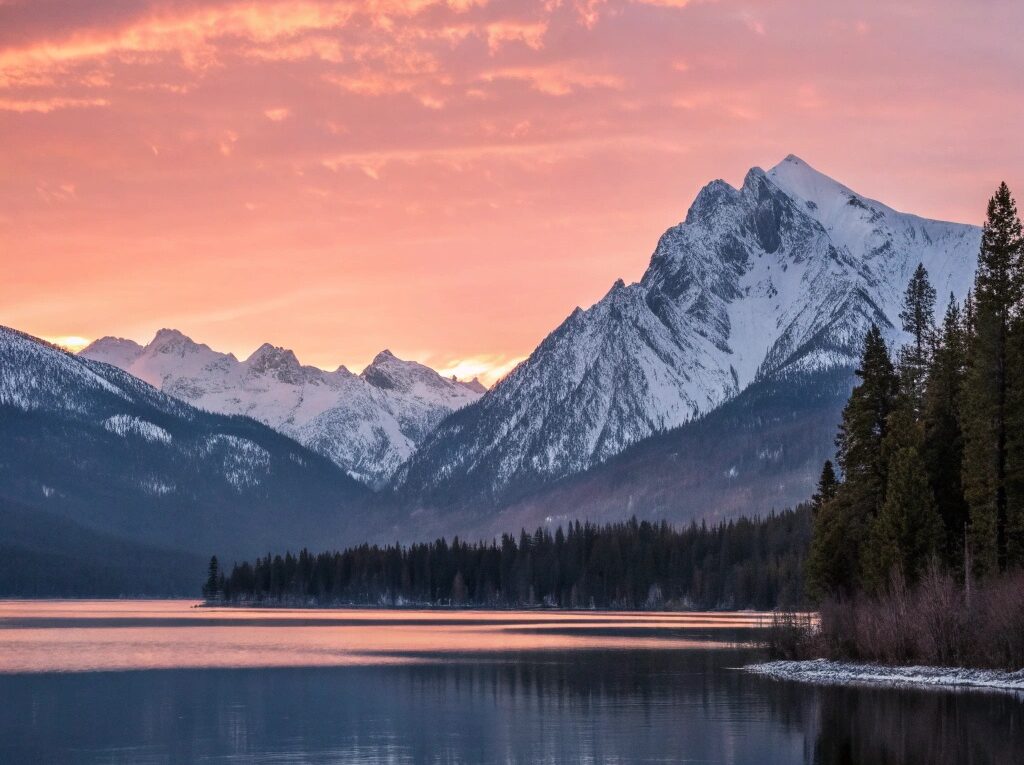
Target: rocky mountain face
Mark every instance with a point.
(776, 280)
(93, 458)
(367, 423)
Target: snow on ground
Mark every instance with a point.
(825, 672)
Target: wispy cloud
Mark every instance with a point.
(47, 105)
(557, 79)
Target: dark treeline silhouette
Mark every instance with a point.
(917, 546)
(632, 565)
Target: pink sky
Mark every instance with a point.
(449, 179)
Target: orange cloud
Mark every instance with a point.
(555, 80)
(502, 32)
(46, 105)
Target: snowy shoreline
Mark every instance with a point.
(825, 672)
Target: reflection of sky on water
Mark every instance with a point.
(108, 635)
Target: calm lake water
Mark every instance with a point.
(162, 682)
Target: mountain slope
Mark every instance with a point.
(92, 445)
(367, 423)
(46, 555)
(759, 451)
(780, 277)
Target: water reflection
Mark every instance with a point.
(639, 699)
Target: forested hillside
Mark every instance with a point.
(740, 564)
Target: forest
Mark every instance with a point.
(747, 563)
(918, 537)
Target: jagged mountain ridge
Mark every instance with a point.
(94, 446)
(780, 277)
(366, 423)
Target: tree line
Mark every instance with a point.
(746, 563)
(930, 449)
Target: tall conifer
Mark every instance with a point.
(943, 437)
(996, 297)
(907, 533)
(844, 522)
(918, 317)
(826, 570)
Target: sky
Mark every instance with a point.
(449, 178)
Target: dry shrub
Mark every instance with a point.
(940, 620)
(935, 623)
(791, 635)
(997, 634)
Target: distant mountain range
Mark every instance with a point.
(103, 456)
(710, 388)
(368, 423)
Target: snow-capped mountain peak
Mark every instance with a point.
(118, 351)
(366, 423)
(280, 363)
(779, 277)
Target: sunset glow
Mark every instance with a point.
(71, 343)
(447, 178)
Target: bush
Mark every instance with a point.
(937, 622)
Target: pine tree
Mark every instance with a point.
(996, 298)
(826, 491)
(943, 437)
(842, 526)
(907, 533)
(213, 580)
(865, 417)
(918, 317)
(826, 571)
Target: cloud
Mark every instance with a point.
(47, 105)
(227, 142)
(555, 80)
(273, 29)
(529, 34)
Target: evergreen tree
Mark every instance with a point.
(986, 389)
(918, 320)
(907, 533)
(213, 580)
(943, 437)
(843, 524)
(826, 491)
(827, 569)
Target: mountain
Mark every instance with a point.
(366, 423)
(47, 555)
(93, 458)
(768, 285)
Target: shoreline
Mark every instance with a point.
(441, 607)
(827, 672)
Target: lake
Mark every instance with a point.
(164, 682)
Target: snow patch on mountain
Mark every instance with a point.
(125, 425)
